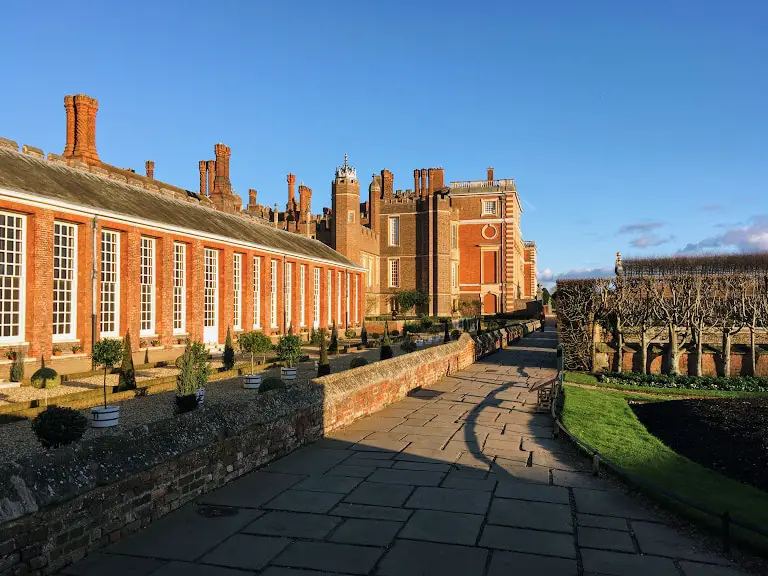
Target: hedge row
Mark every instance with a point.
(733, 383)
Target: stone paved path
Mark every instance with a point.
(463, 479)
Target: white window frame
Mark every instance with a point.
(237, 291)
(394, 230)
(329, 295)
(273, 294)
(454, 236)
(316, 297)
(16, 281)
(338, 297)
(288, 294)
(210, 288)
(257, 292)
(179, 288)
(147, 286)
(394, 279)
(109, 284)
(302, 294)
(357, 299)
(455, 274)
(493, 204)
(64, 282)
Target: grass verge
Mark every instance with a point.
(589, 380)
(604, 420)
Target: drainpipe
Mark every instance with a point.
(93, 284)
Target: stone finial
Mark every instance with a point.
(619, 269)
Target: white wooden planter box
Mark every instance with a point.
(288, 374)
(251, 381)
(105, 416)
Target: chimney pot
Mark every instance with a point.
(490, 174)
(150, 166)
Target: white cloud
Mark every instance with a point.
(545, 275)
(649, 241)
(640, 227)
(752, 237)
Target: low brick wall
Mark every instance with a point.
(710, 363)
(56, 507)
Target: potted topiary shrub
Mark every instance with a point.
(385, 351)
(106, 352)
(407, 345)
(228, 357)
(333, 346)
(57, 426)
(456, 334)
(186, 382)
(127, 378)
(446, 336)
(357, 362)
(202, 367)
(17, 367)
(254, 343)
(350, 333)
(364, 335)
(288, 352)
(323, 366)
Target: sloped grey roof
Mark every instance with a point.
(35, 176)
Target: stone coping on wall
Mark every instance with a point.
(54, 507)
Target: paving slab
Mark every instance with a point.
(459, 482)
(183, 535)
(330, 556)
(407, 477)
(621, 564)
(245, 551)
(449, 500)
(304, 501)
(293, 524)
(337, 484)
(354, 471)
(188, 569)
(509, 563)
(609, 503)
(605, 539)
(281, 571)
(309, 460)
(99, 563)
(660, 540)
(428, 455)
(379, 494)
(366, 531)
(369, 511)
(530, 541)
(534, 492)
(698, 569)
(536, 515)
(380, 445)
(412, 558)
(424, 466)
(505, 470)
(362, 460)
(251, 490)
(607, 522)
(574, 479)
(376, 424)
(448, 527)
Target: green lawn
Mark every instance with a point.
(590, 380)
(604, 420)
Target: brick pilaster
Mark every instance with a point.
(164, 289)
(226, 291)
(195, 287)
(39, 304)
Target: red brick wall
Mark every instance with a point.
(631, 362)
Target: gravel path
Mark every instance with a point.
(18, 440)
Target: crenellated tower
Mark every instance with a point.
(345, 194)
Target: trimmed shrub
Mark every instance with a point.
(254, 343)
(357, 362)
(17, 367)
(228, 358)
(271, 383)
(289, 350)
(350, 333)
(386, 352)
(394, 333)
(333, 346)
(323, 367)
(127, 378)
(364, 336)
(45, 377)
(107, 352)
(456, 334)
(426, 322)
(733, 383)
(57, 426)
(408, 345)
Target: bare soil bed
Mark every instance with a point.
(728, 435)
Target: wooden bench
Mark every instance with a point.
(545, 392)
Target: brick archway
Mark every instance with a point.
(490, 304)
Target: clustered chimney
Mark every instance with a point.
(427, 180)
(81, 128)
(305, 199)
(490, 174)
(221, 182)
(291, 206)
(252, 197)
(150, 166)
(203, 177)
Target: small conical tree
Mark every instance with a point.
(333, 347)
(127, 380)
(446, 336)
(364, 335)
(43, 375)
(385, 352)
(228, 358)
(323, 366)
(107, 352)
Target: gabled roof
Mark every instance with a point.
(56, 182)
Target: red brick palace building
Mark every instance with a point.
(88, 251)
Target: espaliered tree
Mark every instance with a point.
(730, 304)
(641, 312)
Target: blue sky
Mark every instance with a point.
(632, 126)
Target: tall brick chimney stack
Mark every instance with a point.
(210, 166)
(417, 182)
(424, 190)
(305, 199)
(252, 197)
(81, 128)
(439, 176)
(203, 166)
(431, 182)
(221, 183)
(150, 166)
(490, 174)
(291, 192)
(374, 200)
(388, 183)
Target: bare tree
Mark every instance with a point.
(729, 317)
(702, 314)
(578, 303)
(675, 297)
(755, 311)
(642, 312)
(619, 306)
